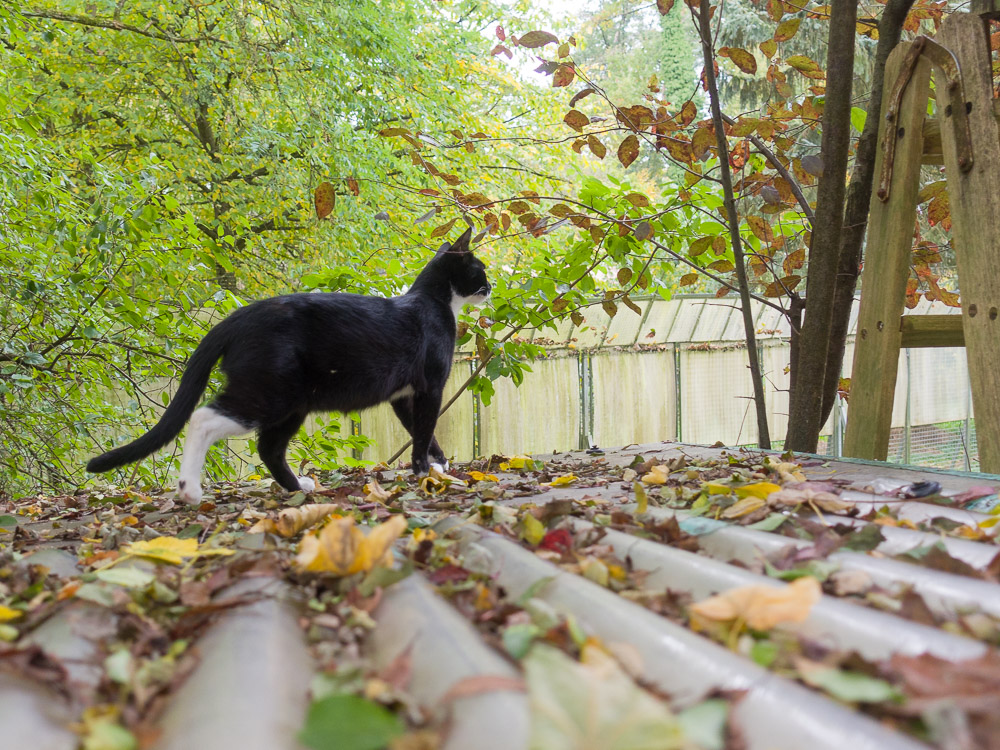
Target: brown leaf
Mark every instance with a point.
(664, 6)
(628, 150)
(776, 289)
(643, 232)
(813, 164)
(352, 185)
(581, 94)
(768, 47)
(760, 228)
(444, 228)
(326, 199)
(699, 246)
(688, 279)
(744, 60)
(610, 307)
(631, 305)
(688, 112)
(596, 147)
(638, 200)
(501, 50)
(563, 75)
(576, 120)
(535, 39)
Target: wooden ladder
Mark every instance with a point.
(966, 139)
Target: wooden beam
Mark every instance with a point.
(922, 331)
(933, 151)
(887, 267)
(975, 220)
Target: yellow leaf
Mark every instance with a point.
(437, 482)
(989, 522)
(656, 475)
(293, 520)
(341, 548)
(519, 462)
(170, 550)
(595, 570)
(789, 472)
(166, 549)
(759, 607)
(717, 488)
(532, 530)
(641, 498)
(376, 549)
(375, 493)
(561, 481)
(743, 507)
(758, 489)
(254, 478)
(478, 476)
(7, 614)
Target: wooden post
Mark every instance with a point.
(887, 266)
(974, 196)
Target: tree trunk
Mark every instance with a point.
(859, 194)
(732, 219)
(812, 371)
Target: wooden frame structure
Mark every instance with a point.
(966, 139)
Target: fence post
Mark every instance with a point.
(477, 417)
(906, 429)
(677, 392)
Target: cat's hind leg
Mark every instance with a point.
(206, 427)
(272, 442)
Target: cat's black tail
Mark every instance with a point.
(193, 384)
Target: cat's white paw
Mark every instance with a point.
(306, 484)
(188, 491)
(441, 467)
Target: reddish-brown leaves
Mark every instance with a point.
(628, 150)
(744, 60)
(576, 120)
(535, 39)
(563, 75)
(325, 199)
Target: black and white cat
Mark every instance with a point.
(288, 356)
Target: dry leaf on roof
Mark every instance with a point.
(822, 500)
(760, 607)
(170, 550)
(341, 548)
(656, 475)
(293, 520)
(593, 703)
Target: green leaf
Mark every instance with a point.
(704, 724)
(593, 704)
(858, 117)
(517, 639)
(851, 687)
(129, 577)
(8, 521)
(349, 722)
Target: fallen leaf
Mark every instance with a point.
(7, 614)
(850, 687)
(561, 481)
(593, 704)
(757, 489)
(293, 520)
(656, 475)
(759, 607)
(744, 507)
(342, 549)
(170, 550)
(343, 720)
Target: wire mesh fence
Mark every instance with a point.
(679, 371)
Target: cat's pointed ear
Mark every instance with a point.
(461, 245)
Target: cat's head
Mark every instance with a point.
(465, 272)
